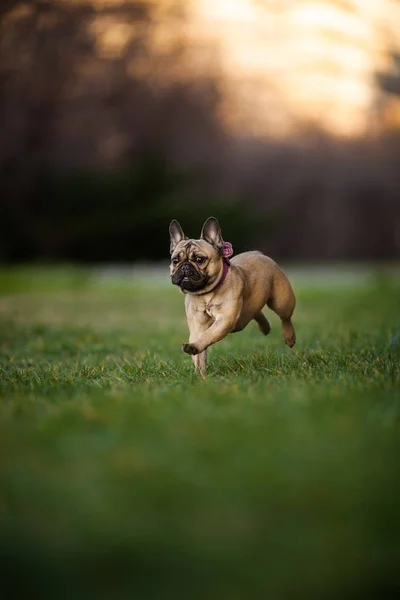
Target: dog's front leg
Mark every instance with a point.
(198, 322)
(223, 324)
(217, 331)
(199, 360)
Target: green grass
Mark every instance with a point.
(122, 475)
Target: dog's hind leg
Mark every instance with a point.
(283, 301)
(262, 322)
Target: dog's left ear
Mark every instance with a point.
(211, 232)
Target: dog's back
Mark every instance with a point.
(265, 283)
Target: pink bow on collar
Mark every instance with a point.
(227, 251)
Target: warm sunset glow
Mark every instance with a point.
(307, 61)
(281, 64)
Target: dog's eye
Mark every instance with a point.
(200, 260)
(175, 261)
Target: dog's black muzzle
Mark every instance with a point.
(188, 278)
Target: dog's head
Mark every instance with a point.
(196, 264)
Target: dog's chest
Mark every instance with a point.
(206, 310)
(212, 309)
(209, 309)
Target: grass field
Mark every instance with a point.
(122, 475)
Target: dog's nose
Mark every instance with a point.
(186, 268)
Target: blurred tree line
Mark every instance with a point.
(110, 127)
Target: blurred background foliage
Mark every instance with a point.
(117, 116)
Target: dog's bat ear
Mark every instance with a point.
(211, 232)
(176, 234)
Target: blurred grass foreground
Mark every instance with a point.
(122, 475)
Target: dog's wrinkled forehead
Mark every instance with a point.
(187, 249)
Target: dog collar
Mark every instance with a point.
(221, 281)
(227, 252)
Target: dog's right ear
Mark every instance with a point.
(176, 235)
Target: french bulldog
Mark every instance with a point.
(222, 295)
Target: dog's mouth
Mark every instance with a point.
(188, 279)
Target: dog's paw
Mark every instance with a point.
(290, 340)
(190, 349)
